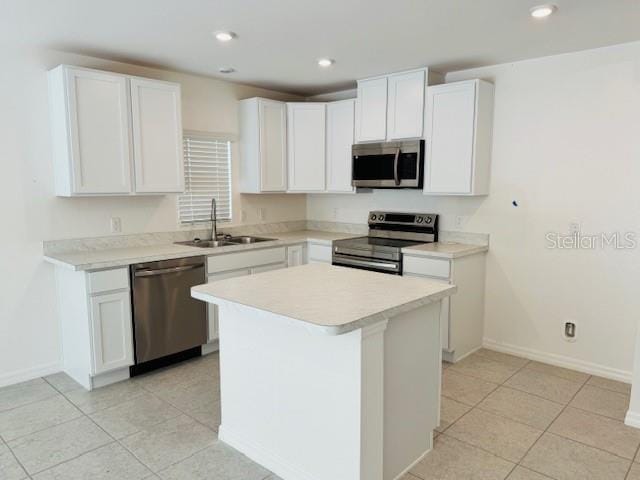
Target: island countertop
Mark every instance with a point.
(329, 299)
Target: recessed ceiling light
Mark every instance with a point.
(225, 36)
(226, 69)
(543, 11)
(326, 62)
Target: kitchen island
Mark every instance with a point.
(329, 372)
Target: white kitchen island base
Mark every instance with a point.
(329, 373)
(310, 406)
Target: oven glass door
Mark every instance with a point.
(383, 170)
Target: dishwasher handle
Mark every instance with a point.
(163, 271)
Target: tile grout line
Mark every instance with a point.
(519, 462)
(15, 457)
(72, 458)
(565, 406)
(546, 430)
(474, 407)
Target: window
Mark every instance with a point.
(207, 174)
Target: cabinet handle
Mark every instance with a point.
(396, 177)
(162, 271)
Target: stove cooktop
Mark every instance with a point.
(392, 243)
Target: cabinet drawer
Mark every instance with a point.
(319, 253)
(253, 258)
(108, 280)
(268, 268)
(431, 267)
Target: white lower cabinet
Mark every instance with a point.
(212, 310)
(296, 255)
(94, 310)
(231, 265)
(461, 315)
(319, 253)
(111, 330)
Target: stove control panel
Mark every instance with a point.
(401, 218)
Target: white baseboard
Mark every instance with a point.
(632, 419)
(208, 348)
(415, 462)
(560, 360)
(29, 374)
(108, 378)
(259, 455)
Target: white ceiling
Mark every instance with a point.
(279, 40)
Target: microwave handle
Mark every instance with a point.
(396, 177)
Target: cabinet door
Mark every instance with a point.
(111, 331)
(306, 146)
(445, 316)
(98, 114)
(405, 112)
(450, 139)
(212, 310)
(371, 110)
(295, 255)
(340, 127)
(273, 160)
(157, 136)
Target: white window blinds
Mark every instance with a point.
(207, 174)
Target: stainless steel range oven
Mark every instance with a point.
(389, 233)
(388, 165)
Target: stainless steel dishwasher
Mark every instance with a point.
(168, 324)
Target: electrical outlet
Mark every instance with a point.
(116, 225)
(574, 227)
(262, 214)
(460, 221)
(336, 212)
(570, 331)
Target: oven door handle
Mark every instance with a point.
(396, 177)
(365, 263)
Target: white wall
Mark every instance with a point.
(30, 213)
(567, 149)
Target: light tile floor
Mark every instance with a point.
(503, 417)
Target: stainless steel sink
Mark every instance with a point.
(206, 243)
(248, 239)
(196, 242)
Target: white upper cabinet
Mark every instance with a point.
(459, 136)
(263, 148)
(391, 107)
(371, 110)
(98, 134)
(340, 130)
(90, 132)
(405, 109)
(306, 146)
(157, 136)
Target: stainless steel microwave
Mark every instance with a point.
(388, 165)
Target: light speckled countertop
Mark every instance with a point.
(329, 299)
(445, 250)
(117, 257)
